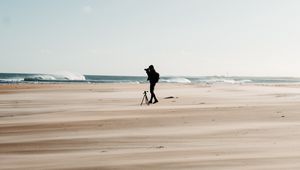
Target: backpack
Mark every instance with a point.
(156, 77)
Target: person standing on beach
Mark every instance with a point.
(153, 78)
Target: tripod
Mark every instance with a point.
(145, 98)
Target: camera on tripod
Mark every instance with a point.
(145, 98)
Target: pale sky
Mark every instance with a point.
(179, 37)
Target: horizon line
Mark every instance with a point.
(161, 75)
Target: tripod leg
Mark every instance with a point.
(142, 100)
(147, 102)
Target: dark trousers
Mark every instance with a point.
(152, 86)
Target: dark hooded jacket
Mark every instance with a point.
(153, 76)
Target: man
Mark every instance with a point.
(153, 78)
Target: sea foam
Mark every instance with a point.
(175, 80)
(66, 75)
(58, 76)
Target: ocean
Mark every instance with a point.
(11, 78)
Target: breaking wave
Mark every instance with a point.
(224, 80)
(175, 80)
(69, 76)
(61, 76)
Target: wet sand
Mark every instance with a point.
(102, 126)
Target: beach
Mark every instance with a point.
(194, 126)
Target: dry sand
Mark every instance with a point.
(102, 126)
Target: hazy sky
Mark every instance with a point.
(179, 37)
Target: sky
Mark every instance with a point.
(179, 37)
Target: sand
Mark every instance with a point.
(102, 126)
